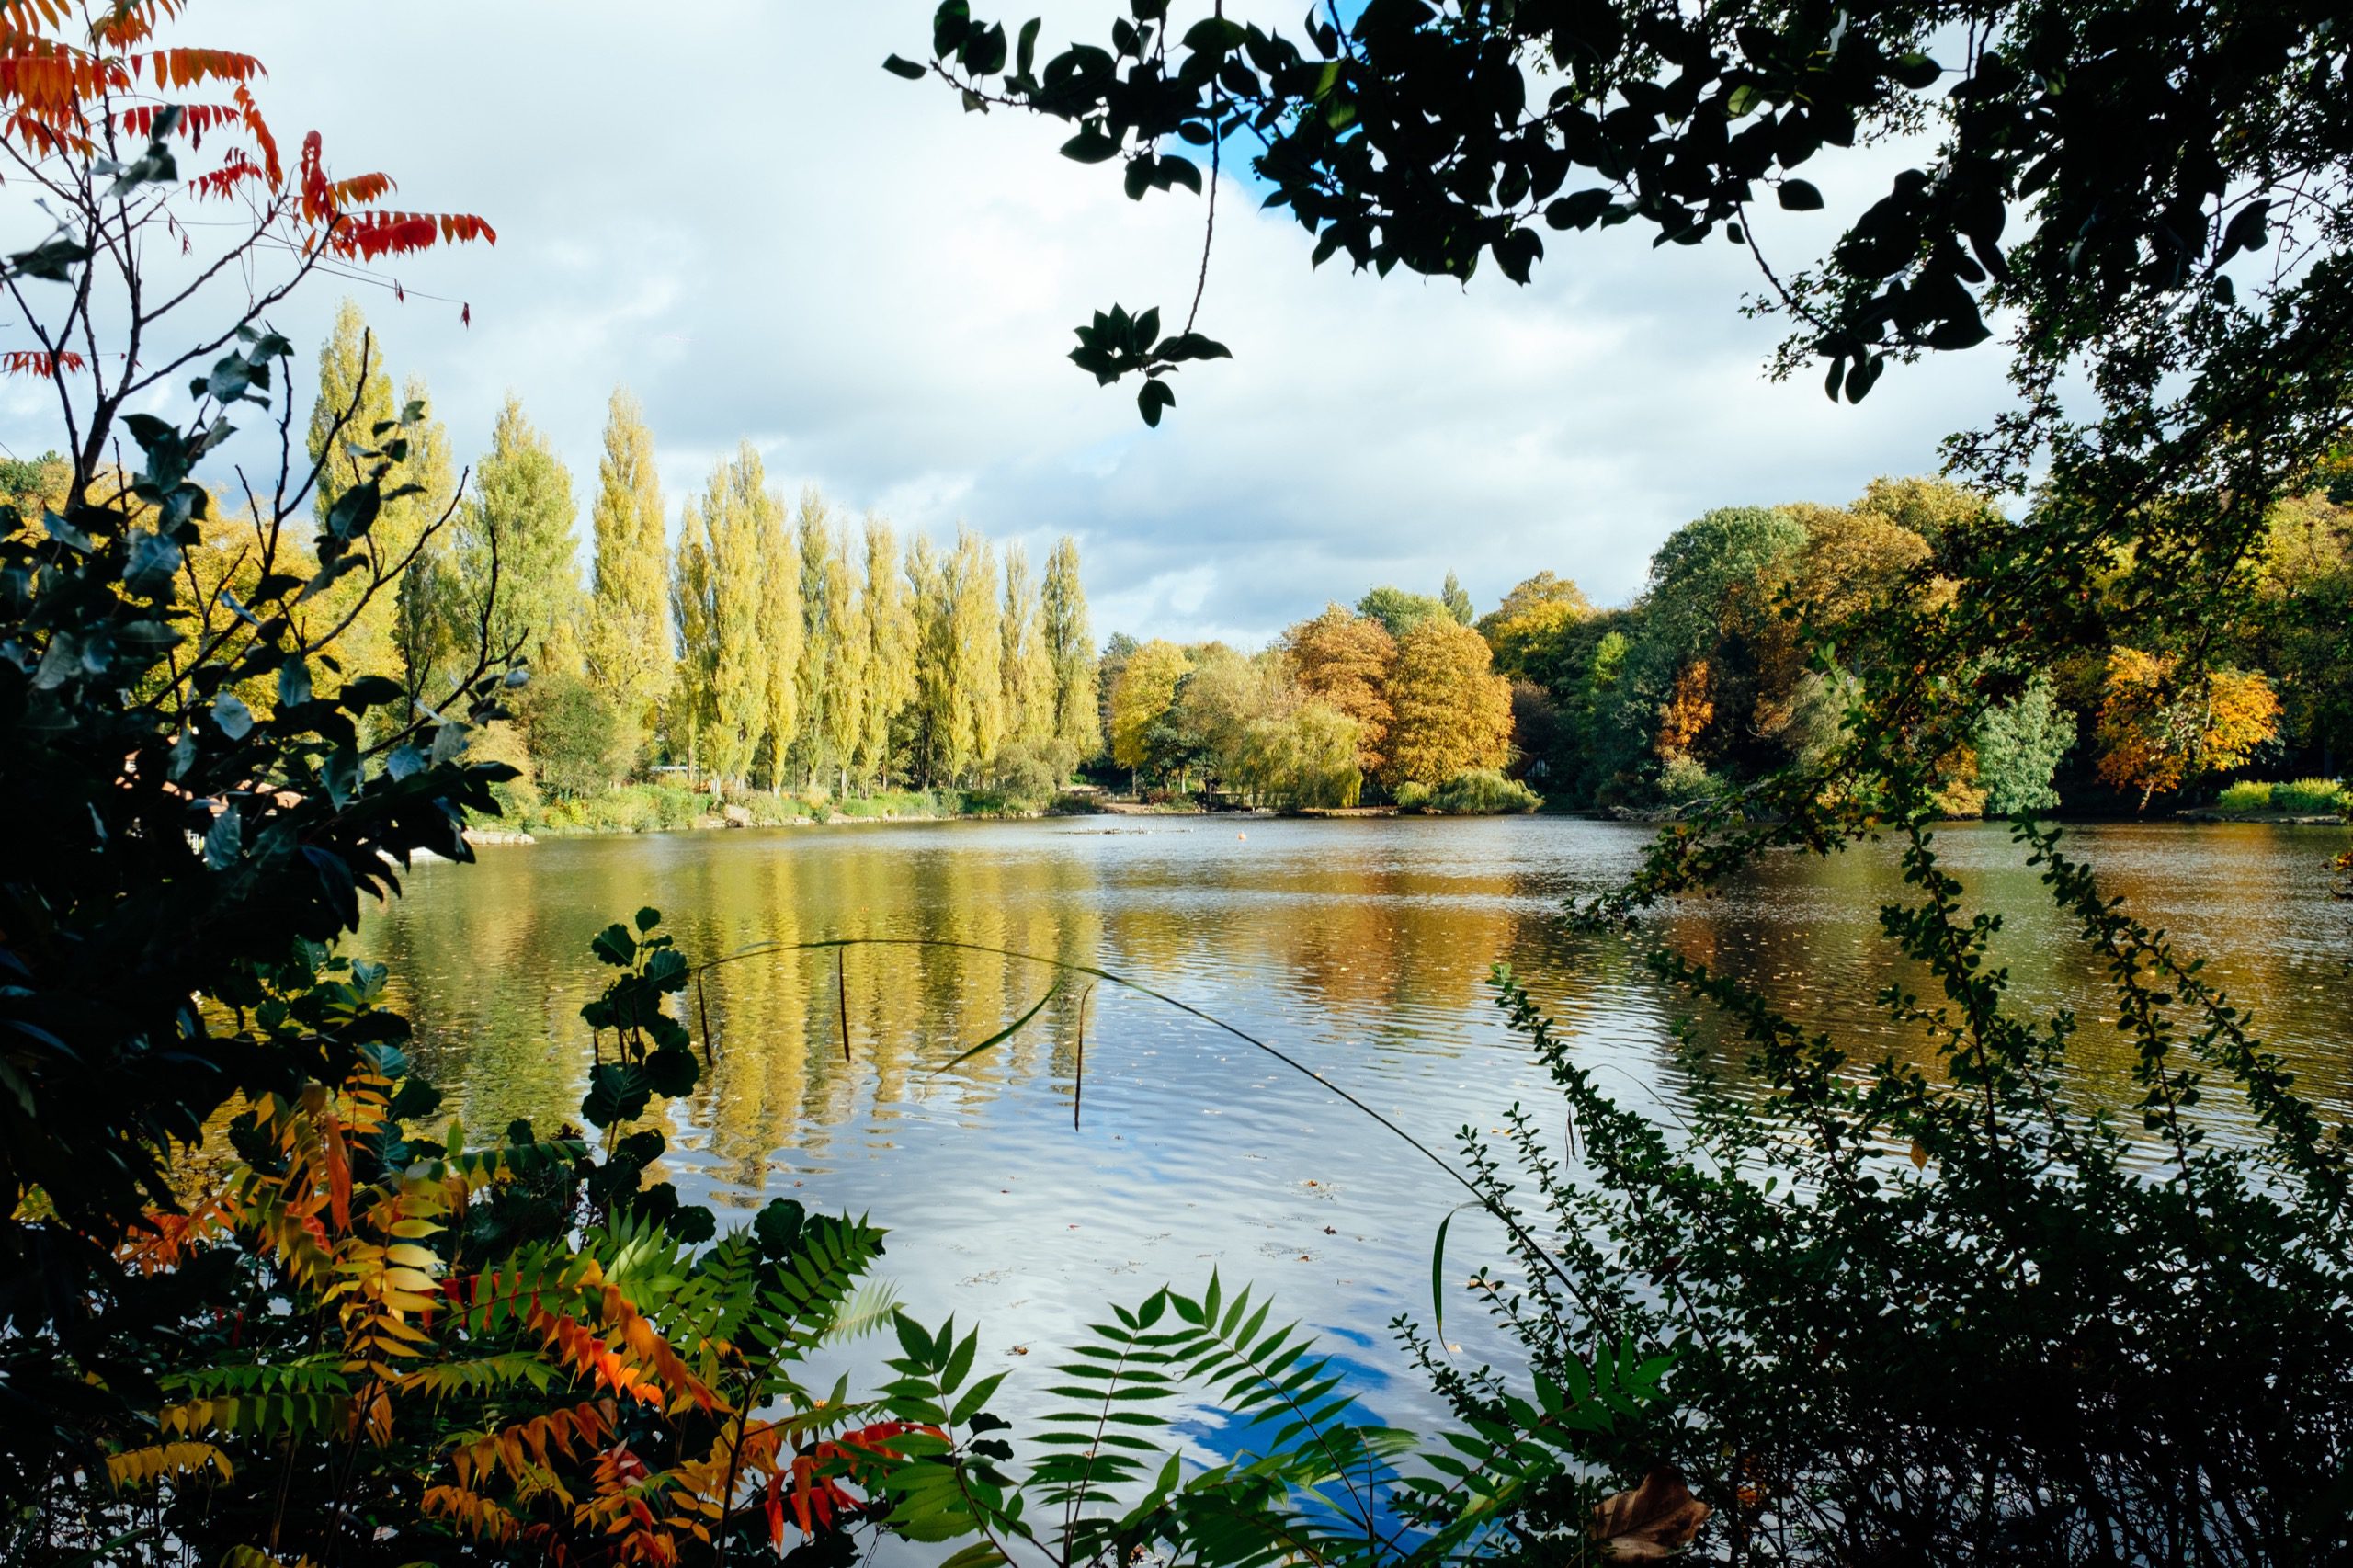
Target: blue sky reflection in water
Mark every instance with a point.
(1361, 949)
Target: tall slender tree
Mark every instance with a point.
(769, 580)
(354, 406)
(627, 635)
(522, 502)
(822, 638)
(846, 695)
(425, 632)
(890, 632)
(1070, 649)
(940, 745)
(1025, 670)
(976, 650)
(694, 616)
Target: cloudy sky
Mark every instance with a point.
(727, 206)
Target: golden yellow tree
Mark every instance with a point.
(2157, 726)
(1451, 712)
(1146, 687)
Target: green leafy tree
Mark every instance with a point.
(846, 703)
(432, 646)
(1458, 603)
(1117, 651)
(728, 550)
(1399, 611)
(2020, 746)
(628, 634)
(573, 732)
(521, 510)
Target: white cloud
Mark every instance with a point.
(730, 208)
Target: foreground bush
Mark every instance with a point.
(1934, 1308)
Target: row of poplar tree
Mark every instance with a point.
(772, 645)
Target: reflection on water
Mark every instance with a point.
(1361, 949)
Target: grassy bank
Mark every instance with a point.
(668, 808)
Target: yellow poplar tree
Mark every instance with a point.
(890, 625)
(1024, 664)
(769, 579)
(694, 617)
(976, 680)
(1070, 649)
(627, 635)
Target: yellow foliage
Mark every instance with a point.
(1452, 713)
(2156, 727)
(145, 1467)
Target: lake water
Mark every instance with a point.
(1361, 949)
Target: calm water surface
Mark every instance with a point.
(1360, 948)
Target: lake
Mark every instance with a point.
(1360, 948)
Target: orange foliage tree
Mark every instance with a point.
(2158, 725)
(1344, 660)
(98, 116)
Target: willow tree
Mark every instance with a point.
(627, 636)
(1070, 648)
(890, 632)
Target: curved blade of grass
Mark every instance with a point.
(1438, 1272)
(1002, 1035)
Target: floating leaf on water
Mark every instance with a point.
(1653, 1521)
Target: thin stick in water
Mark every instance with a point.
(841, 982)
(1078, 1084)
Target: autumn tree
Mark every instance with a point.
(846, 703)
(769, 588)
(2159, 723)
(716, 589)
(1025, 663)
(1451, 712)
(1345, 660)
(1140, 698)
(890, 633)
(976, 648)
(628, 638)
(825, 639)
(1070, 651)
